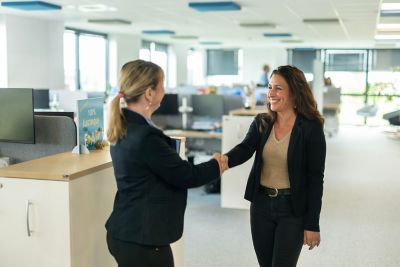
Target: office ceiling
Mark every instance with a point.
(351, 23)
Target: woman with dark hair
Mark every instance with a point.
(286, 180)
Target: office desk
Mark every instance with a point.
(248, 112)
(194, 134)
(332, 106)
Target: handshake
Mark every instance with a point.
(222, 162)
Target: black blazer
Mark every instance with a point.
(152, 183)
(306, 165)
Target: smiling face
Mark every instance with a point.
(279, 95)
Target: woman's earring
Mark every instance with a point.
(148, 106)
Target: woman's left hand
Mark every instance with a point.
(311, 239)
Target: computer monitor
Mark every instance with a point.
(69, 114)
(41, 99)
(232, 102)
(208, 106)
(169, 105)
(17, 124)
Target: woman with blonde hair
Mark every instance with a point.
(152, 179)
(286, 181)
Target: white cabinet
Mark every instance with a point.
(46, 217)
(66, 219)
(233, 182)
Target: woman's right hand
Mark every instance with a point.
(222, 162)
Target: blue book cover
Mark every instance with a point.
(177, 144)
(90, 122)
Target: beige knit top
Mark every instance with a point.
(274, 173)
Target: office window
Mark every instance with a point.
(157, 53)
(85, 60)
(222, 62)
(224, 66)
(345, 60)
(347, 69)
(303, 59)
(384, 59)
(383, 83)
(384, 74)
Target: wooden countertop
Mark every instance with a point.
(194, 134)
(60, 167)
(248, 112)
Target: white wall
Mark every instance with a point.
(34, 52)
(3, 53)
(255, 58)
(181, 52)
(127, 48)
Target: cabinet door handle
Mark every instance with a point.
(28, 226)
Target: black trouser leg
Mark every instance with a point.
(129, 254)
(277, 233)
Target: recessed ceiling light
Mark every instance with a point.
(110, 21)
(390, 6)
(215, 6)
(210, 43)
(387, 37)
(277, 35)
(291, 41)
(257, 25)
(158, 32)
(321, 21)
(96, 8)
(388, 27)
(185, 37)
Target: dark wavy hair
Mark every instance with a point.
(304, 101)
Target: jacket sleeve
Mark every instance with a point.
(168, 165)
(315, 167)
(243, 151)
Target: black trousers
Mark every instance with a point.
(277, 234)
(129, 254)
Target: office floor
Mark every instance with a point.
(360, 219)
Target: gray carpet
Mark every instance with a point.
(360, 219)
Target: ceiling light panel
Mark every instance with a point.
(215, 6)
(210, 43)
(158, 32)
(185, 37)
(388, 27)
(110, 21)
(96, 8)
(390, 6)
(278, 35)
(257, 25)
(321, 21)
(31, 5)
(387, 37)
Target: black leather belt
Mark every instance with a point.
(274, 192)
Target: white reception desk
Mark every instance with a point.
(53, 210)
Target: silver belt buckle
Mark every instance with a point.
(275, 194)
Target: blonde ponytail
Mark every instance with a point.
(116, 121)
